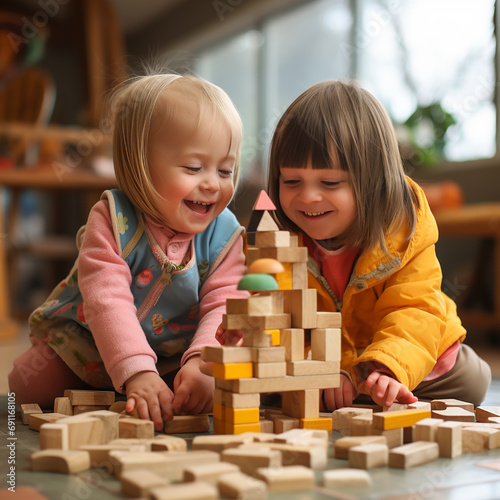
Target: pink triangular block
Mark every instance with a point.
(264, 202)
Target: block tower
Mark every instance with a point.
(288, 346)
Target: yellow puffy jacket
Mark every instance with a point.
(393, 309)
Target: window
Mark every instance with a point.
(430, 62)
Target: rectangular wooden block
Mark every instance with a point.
(187, 491)
(99, 453)
(252, 385)
(233, 400)
(413, 454)
(226, 354)
(231, 371)
(456, 414)
(292, 339)
(135, 428)
(301, 404)
(282, 254)
(138, 483)
(241, 486)
(63, 405)
(268, 354)
(54, 436)
(100, 398)
(341, 418)
(209, 473)
(250, 459)
(302, 305)
(360, 425)
(30, 409)
(344, 444)
(315, 457)
(257, 338)
(83, 430)
(477, 439)
(442, 404)
(316, 423)
(218, 443)
(36, 420)
(236, 416)
(325, 344)
(312, 367)
(290, 478)
(328, 319)
(449, 439)
(64, 461)
(247, 322)
(272, 239)
(254, 305)
(369, 456)
(426, 429)
(269, 370)
(187, 423)
(394, 419)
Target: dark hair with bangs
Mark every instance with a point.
(338, 124)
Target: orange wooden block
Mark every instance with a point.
(316, 423)
(232, 371)
(395, 419)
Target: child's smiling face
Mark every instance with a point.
(191, 165)
(319, 201)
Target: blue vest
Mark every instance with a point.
(166, 296)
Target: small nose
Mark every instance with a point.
(211, 182)
(309, 193)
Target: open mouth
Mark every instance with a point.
(199, 207)
(314, 214)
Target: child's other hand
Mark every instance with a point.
(386, 390)
(147, 392)
(229, 337)
(338, 397)
(193, 390)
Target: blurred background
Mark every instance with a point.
(432, 63)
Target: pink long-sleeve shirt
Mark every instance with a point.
(105, 283)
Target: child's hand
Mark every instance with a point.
(147, 392)
(193, 390)
(338, 397)
(229, 337)
(386, 390)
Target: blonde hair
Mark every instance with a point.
(336, 124)
(134, 105)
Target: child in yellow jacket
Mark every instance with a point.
(337, 179)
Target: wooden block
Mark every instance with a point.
(63, 405)
(99, 453)
(360, 425)
(313, 437)
(315, 457)
(394, 437)
(344, 444)
(219, 443)
(341, 418)
(83, 430)
(266, 426)
(36, 420)
(254, 305)
(299, 275)
(230, 428)
(267, 223)
(419, 405)
(226, 354)
(109, 421)
(136, 428)
(456, 414)
(29, 409)
(186, 491)
(54, 436)
(301, 404)
(64, 461)
(231, 371)
(316, 423)
(282, 423)
(179, 461)
(282, 254)
(249, 460)
(257, 339)
(292, 339)
(394, 419)
(325, 344)
(478, 439)
(236, 415)
(272, 239)
(426, 429)
(328, 320)
(80, 409)
(166, 443)
(187, 423)
(291, 478)
(241, 486)
(269, 370)
(100, 398)
(369, 456)
(311, 367)
(247, 322)
(268, 354)
(484, 413)
(413, 454)
(210, 473)
(280, 384)
(442, 404)
(449, 439)
(302, 305)
(233, 400)
(137, 483)
(346, 477)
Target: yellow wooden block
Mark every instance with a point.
(285, 278)
(316, 423)
(396, 419)
(219, 426)
(242, 415)
(241, 428)
(219, 411)
(232, 371)
(275, 336)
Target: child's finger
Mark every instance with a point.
(165, 399)
(181, 396)
(371, 380)
(155, 414)
(129, 407)
(391, 394)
